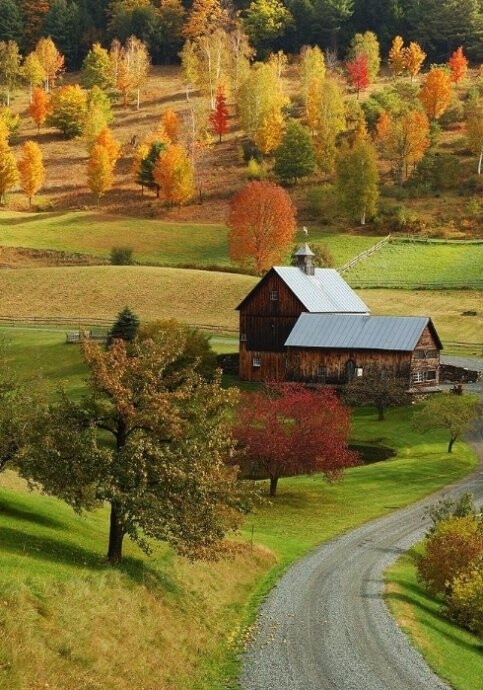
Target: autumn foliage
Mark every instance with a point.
(396, 59)
(403, 138)
(262, 225)
(39, 107)
(170, 124)
(31, 169)
(106, 139)
(458, 65)
(358, 72)
(219, 117)
(435, 94)
(99, 171)
(414, 56)
(288, 429)
(173, 173)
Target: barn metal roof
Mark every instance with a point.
(362, 332)
(324, 292)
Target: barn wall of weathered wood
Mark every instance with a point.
(425, 361)
(261, 366)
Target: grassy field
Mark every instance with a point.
(199, 297)
(65, 615)
(419, 264)
(153, 241)
(452, 652)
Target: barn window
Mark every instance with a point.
(418, 377)
(243, 337)
(430, 375)
(256, 361)
(273, 295)
(431, 354)
(419, 354)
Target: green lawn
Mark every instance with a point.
(420, 264)
(153, 241)
(453, 653)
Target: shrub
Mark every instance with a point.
(122, 256)
(256, 170)
(451, 507)
(465, 603)
(453, 546)
(250, 151)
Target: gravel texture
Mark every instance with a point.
(325, 625)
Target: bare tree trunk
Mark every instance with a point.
(273, 485)
(116, 535)
(480, 162)
(451, 442)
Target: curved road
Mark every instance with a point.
(325, 625)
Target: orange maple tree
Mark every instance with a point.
(458, 65)
(170, 123)
(105, 139)
(404, 139)
(173, 173)
(435, 94)
(261, 223)
(413, 56)
(39, 107)
(31, 169)
(99, 171)
(396, 60)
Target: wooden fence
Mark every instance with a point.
(420, 284)
(363, 255)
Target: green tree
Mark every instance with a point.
(63, 24)
(164, 475)
(295, 157)
(134, 18)
(357, 180)
(329, 123)
(10, 69)
(454, 413)
(261, 95)
(33, 72)
(330, 19)
(171, 17)
(378, 389)
(98, 115)
(367, 44)
(68, 110)
(126, 326)
(264, 21)
(145, 171)
(11, 24)
(97, 70)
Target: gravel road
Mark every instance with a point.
(325, 625)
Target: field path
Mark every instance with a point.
(325, 625)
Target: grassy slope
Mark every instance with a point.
(452, 652)
(199, 297)
(153, 241)
(420, 263)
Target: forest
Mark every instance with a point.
(439, 26)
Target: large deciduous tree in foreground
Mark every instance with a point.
(262, 225)
(454, 413)
(150, 440)
(288, 429)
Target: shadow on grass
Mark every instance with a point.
(14, 511)
(34, 217)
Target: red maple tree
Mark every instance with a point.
(219, 117)
(288, 429)
(358, 72)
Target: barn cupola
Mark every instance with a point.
(304, 259)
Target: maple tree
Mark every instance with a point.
(51, 60)
(458, 64)
(261, 225)
(404, 139)
(39, 107)
(435, 94)
(164, 474)
(31, 169)
(8, 169)
(106, 139)
(270, 130)
(366, 44)
(358, 72)
(99, 171)
(170, 123)
(288, 429)
(173, 173)
(414, 56)
(68, 109)
(219, 117)
(396, 58)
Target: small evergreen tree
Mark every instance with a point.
(125, 327)
(145, 169)
(295, 157)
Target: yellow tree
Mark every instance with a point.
(33, 72)
(31, 169)
(137, 64)
(106, 140)
(311, 74)
(328, 121)
(99, 171)
(404, 139)
(205, 16)
(435, 94)
(414, 56)
(261, 93)
(8, 169)
(396, 58)
(39, 107)
(50, 59)
(270, 131)
(170, 122)
(173, 173)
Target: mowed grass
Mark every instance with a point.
(153, 241)
(66, 616)
(200, 297)
(420, 264)
(452, 652)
